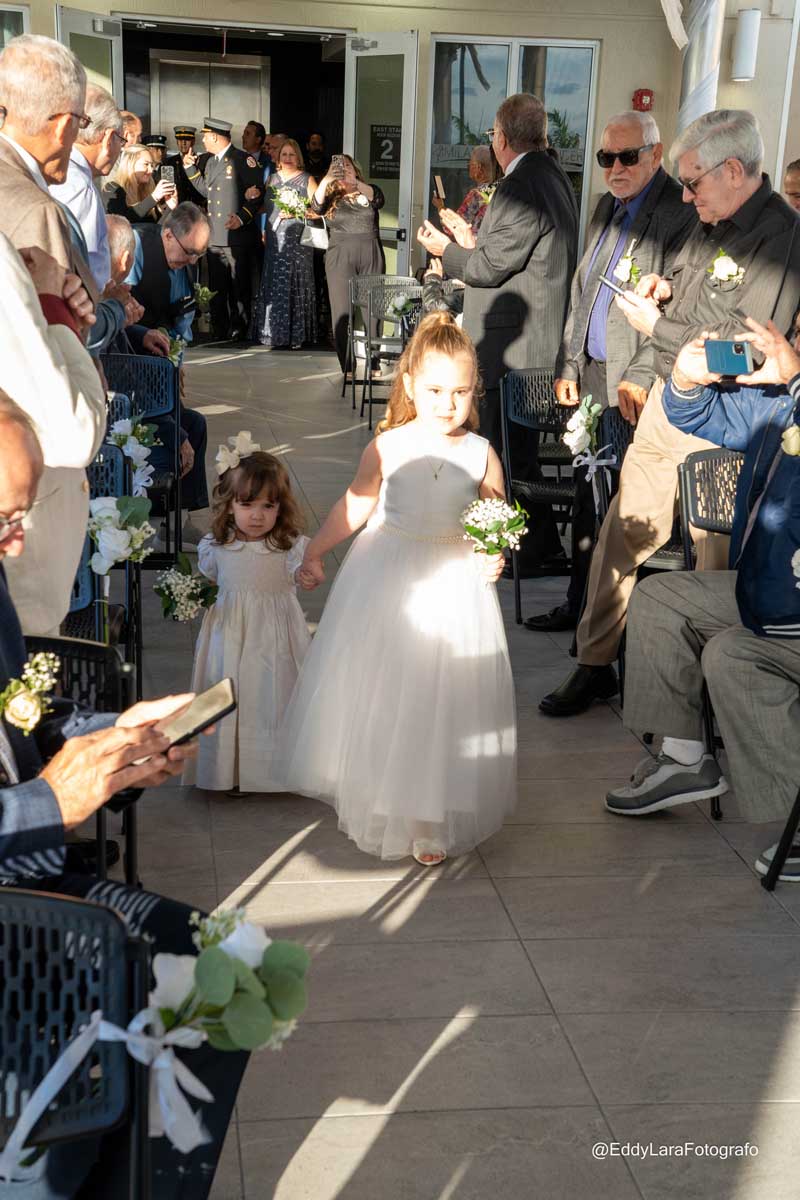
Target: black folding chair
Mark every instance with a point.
(785, 844)
(61, 959)
(707, 483)
(359, 292)
(382, 296)
(527, 399)
(94, 675)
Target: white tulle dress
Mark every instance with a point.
(403, 717)
(256, 633)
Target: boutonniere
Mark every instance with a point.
(627, 270)
(487, 192)
(790, 442)
(362, 200)
(723, 269)
(24, 701)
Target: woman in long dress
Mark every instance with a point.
(285, 313)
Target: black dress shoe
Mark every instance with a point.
(556, 621)
(81, 856)
(576, 693)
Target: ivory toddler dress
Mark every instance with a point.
(403, 717)
(256, 633)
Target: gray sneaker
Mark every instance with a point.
(663, 783)
(790, 872)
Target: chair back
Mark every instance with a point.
(707, 482)
(60, 960)
(90, 673)
(83, 583)
(119, 408)
(151, 383)
(382, 295)
(617, 433)
(360, 285)
(109, 473)
(527, 398)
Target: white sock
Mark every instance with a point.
(683, 750)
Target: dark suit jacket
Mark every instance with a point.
(224, 183)
(660, 229)
(518, 276)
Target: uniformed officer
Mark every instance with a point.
(185, 137)
(233, 251)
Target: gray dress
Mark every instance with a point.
(285, 311)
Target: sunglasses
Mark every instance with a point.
(627, 158)
(691, 184)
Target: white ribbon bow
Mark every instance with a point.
(170, 1113)
(593, 463)
(241, 446)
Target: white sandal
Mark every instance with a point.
(436, 855)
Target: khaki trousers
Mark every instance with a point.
(638, 523)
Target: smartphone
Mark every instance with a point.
(204, 710)
(614, 286)
(338, 163)
(168, 175)
(729, 358)
(439, 186)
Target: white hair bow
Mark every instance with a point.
(241, 446)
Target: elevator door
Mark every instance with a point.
(186, 88)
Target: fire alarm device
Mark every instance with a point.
(642, 100)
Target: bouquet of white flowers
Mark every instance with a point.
(24, 701)
(581, 434)
(400, 305)
(136, 440)
(290, 201)
(177, 347)
(119, 528)
(183, 594)
(493, 525)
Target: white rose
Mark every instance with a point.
(725, 268)
(622, 271)
(23, 711)
(114, 544)
(136, 452)
(174, 980)
(104, 508)
(578, 440)
(124, 427)
(790, 440)
(247, 942)
(796, 563)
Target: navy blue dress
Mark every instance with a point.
(285, 312)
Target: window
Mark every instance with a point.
(13, 21)
(562, 77)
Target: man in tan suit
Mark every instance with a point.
(45, 367)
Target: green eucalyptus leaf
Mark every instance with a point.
(219, 1038)
(247, 980)
(214, 976)
(248, 1021)
(286, 994)
(285, 956)
(168, 1017)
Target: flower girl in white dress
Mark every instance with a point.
(255, 631)
(403, 717)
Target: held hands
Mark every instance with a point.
(234, 222)
(134, 311)
(632, 399)
(310, 573)
(460, 229)
(567, 392)
(781, 361)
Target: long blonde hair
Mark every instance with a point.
(124, 174)
(436, 334)
(291, 142)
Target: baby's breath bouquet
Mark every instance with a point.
(288, 200)
(183, 594)
(494, 526)
(24, 701)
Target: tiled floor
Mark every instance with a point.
(578, 979)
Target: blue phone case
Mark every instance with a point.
(729, 358)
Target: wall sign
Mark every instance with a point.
(384, 152)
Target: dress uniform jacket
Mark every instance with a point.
(224, 183)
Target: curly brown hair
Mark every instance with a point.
(437, 333)
(337, 190)
(259, 472)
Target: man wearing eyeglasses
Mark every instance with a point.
(93, 156)
(164, 269)
(742, 260)
(638, 227)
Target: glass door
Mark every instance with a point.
(379, 106)
(96, 41)
(13, 22)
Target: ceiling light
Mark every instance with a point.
(271, 33)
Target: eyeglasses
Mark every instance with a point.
(627, 158)
(691, 184)
(83, 121)
(121, 136)
(192, 255)
(10, 525)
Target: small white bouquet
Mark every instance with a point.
(400, 306)
(177, 347)
(289, 201)
(494, 526)
(119, 528)
(136, 440)
(581, 434)
(24, 701)
(183, 594)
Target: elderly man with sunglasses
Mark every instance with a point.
(742, 260)
(638, 228)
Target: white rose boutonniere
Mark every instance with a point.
(362, 200)
(627, 270)
(723, 269)
(790, 441)
(24, 701)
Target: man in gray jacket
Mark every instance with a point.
(638, 227)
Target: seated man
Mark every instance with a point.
(737, 629)
(51, 781)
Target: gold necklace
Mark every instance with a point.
(435, 470)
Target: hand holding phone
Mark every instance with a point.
(614, 286)
(168, 175)
(439, 186)
(337, 166)
(729, 357)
